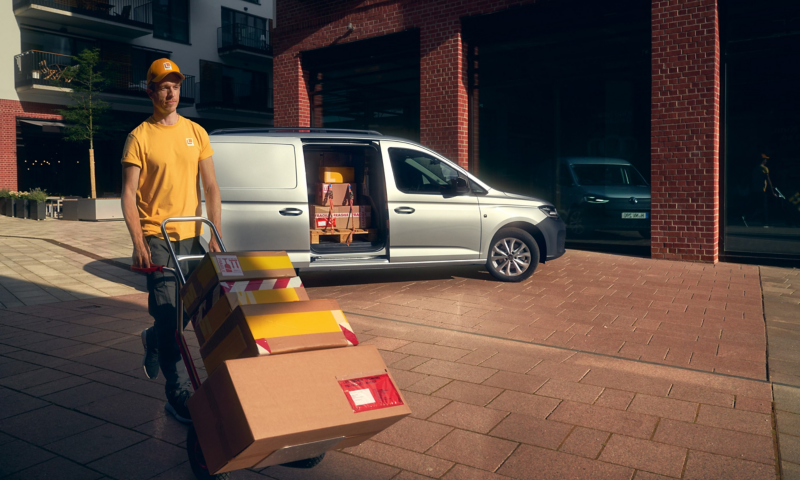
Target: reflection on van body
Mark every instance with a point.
(603, 194)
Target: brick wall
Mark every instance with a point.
(9, 111)
(685, 126)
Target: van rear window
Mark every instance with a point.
(255, 165)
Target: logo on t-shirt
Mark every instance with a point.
(190, 142)
(167, 66)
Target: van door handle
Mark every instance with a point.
(404, 210)
(291, 212)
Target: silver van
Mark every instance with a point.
(425, 210)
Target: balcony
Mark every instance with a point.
(243, 42)
(43, 73)
(239, 99)
(120, 18)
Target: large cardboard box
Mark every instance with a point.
(336, 174)
(219, 267)
(361, 217)
(268, 329)
(340, 196)
(250, 408)
(226, 296)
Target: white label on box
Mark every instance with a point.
(229, 265)
(361, 397)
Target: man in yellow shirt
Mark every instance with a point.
(163, 162)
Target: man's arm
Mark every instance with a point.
(130, 183)
(771, 188)
(213, 202)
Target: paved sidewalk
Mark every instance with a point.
(567, 375)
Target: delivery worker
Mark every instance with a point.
(163, 161)
(760, 190)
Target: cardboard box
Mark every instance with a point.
(336, 174)
(219, 267)
(250, 408)
(361, 218)
(339, 194)
(268, 329)
(226, 296)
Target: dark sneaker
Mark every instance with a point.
(150, 360)
(176, 406)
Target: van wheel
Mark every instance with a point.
(513, 255)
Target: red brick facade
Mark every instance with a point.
(685, 130)
(10, 110)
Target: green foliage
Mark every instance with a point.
(87, 113)
(4, 193)
(37, 195)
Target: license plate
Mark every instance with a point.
(634, 214)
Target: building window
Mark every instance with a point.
(171, 20)
(223, 86)
(52, 43)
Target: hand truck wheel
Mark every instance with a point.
(307, 463)
(197, 461)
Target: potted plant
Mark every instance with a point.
(4, 194)
(21, 208)
(36, 204)
(10, 204)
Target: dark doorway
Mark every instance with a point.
(369, 84)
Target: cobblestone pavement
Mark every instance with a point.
(567, 375)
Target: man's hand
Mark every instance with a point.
(141, 255)
(213, 246)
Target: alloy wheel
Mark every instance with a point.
(511, 257)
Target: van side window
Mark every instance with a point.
(417, 172)
(255, 165)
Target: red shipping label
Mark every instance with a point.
(371, 393)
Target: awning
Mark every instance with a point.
(48, 126)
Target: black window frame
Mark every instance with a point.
(156, 24)
(442, 190)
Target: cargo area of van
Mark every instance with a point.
(346, 198)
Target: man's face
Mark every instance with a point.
(166, 94)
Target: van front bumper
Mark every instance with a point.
(555, 233)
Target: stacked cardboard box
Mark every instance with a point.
(336, 205)
(280, 388)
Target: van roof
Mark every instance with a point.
(306, 132)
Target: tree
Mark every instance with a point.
(86, 114)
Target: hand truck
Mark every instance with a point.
(196, 459)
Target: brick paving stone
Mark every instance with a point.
(474, 450)
(164, 428)
(413, 434)
(95, 443)
(455, 371)
(15, 403)
(59, 468)
(529, 462)
(82, 394)
(9, 369)
(511, 363)
(407, 362)
(405, 379)
(575, 392)
(644, 455)
(615, 421)
(790, 471)
(585, 442)
(335, 466)
(477, 356)
(433, 351)
(706, 466)
(714, 440)
(640, 475)
(428, 385)
(47, 424)
(664, 407)
(740, 420)
(404, 459)
(127, 409)
(753, 405)
(423, 406)
(561, 371)
(19, 455)
(468, 392)
(68, 381)
(532, 431)
(627, 381)
(462, 472)
(468, 417)
(526, 404)
(616, 399)
(787, 422)
(140, 461)
(32, 378)
(790, 448)
(516, 381)
(699, 394)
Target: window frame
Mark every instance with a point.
(420, 153)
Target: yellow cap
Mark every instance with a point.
(764, 156)
(161, 68)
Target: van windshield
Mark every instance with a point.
(609, 175)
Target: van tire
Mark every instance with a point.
(524, 250)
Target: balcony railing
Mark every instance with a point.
(243, 37)
(47, 69)
(131, 12)
(235, 96)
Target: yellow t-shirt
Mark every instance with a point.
(169, 183)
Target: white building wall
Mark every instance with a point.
(9, 46)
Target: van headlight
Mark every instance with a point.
(549, 210)
(595, 199)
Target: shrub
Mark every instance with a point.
(4, 193)
(37, 195)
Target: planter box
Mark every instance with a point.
(3, 206)
(8, 207)
(69, 209)
(99, 209)
(36, 210)
(21, 210)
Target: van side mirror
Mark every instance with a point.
(457, 186)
